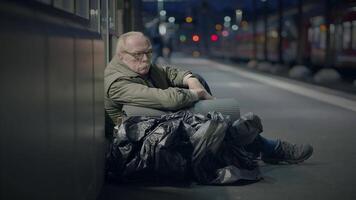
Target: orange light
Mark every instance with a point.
(244, 24)
(195, 38)
(322, 27)
(189, 19)
(218, 27)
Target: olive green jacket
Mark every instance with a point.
(162, 89)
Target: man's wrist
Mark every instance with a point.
(195, 95)
(185, 79)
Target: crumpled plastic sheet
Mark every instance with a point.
(179, 146)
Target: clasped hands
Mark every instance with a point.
(196, 87)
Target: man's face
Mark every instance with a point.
(137, 54)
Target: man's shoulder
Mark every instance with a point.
(117, 69)
(163, 66)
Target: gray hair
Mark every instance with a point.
(121, 43)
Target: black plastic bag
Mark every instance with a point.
(180, 145)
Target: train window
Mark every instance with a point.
(316, 35)
(354, 34)
(112, 17)
(338, 42)
(322, 38)
(332, 36)
(78, 7)
(119, 23)
(82, 8)
(45, 1)
(332, 29)
(310, 35)
(104, 28)
(67, 5)
(95, 15)
(347, 35)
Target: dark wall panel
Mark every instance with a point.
(99, 56)
(23, 117)
(61, 116)
(84, 142)
(51, 111)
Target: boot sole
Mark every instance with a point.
(276, 161)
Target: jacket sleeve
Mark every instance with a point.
(135, 94)
(175, 76)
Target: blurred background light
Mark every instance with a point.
(182, 38)
(244, 24)
(214, 37)
(225, 33)
(323, 28)
(227, 19)
(238, 12)
(218, 27)
(195, 38)
(234, 27)
(171, 19)
(274, 34)
(162, 13)
(189, 19)
(238, 16)
(162, 29)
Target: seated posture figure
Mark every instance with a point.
(131, 79)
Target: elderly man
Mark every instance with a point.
(131, 78)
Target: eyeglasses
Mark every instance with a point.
(139, 55)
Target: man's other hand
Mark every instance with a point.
(195, 86)
(202, 94)
(193, 83)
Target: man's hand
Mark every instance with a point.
(202, 94)
(193, 83)
(195, 86)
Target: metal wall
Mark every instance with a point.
(51, 112)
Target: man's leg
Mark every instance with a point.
(276, 151)
(267, 145)
(273, 151)
(261, 145)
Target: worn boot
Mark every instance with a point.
(288, 153)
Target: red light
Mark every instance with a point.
(214, 37)
(195, 38)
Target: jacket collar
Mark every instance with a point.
(121, 67)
